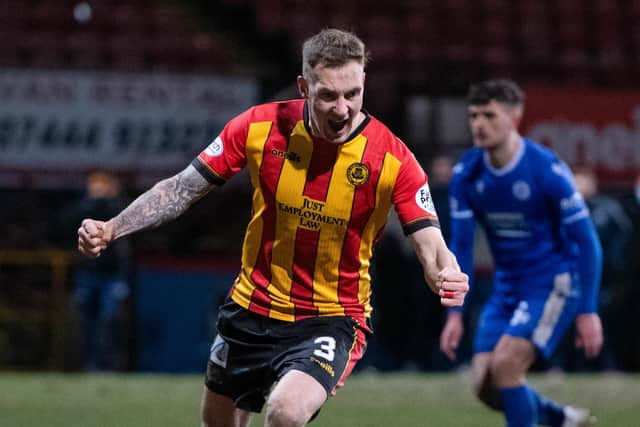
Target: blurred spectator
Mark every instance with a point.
(614, 228)
(100, 285)
(629, 313)
(611, 221)
(632, 206)
(405, 322)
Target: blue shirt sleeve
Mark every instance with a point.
(462, 226)
(583, 233)
(572, 212)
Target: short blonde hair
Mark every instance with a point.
(332, 48)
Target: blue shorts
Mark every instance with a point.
(538, 311)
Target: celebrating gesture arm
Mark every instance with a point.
(441, 270)
(165, 201)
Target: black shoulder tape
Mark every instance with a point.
(206, 173)
(419, 225)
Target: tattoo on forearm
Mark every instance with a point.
(167, 200)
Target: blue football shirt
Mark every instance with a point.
(523, 208)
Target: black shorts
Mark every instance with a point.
(251, 352)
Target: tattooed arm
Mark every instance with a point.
(165, 201)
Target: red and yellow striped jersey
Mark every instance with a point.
(318, 209)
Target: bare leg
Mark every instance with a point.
(483, 387)
(511, 360)
(506, 366)
(220, 411)
(294, 400)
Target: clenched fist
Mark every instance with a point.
(452, 286)
(94, 237)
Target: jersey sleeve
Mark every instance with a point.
(574, 215)
(226, 155)
(566, 202)
(412, 197)
(462, 225)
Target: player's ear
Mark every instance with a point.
(514, 112)
(303, 87)
(517, 113)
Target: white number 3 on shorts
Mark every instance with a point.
(327, 347)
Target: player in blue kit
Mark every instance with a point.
(546, 252)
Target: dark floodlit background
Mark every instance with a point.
(139, 87)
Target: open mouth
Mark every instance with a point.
(337, 126)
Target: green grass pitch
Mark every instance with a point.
(367, 400)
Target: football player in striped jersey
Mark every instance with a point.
(324, 174)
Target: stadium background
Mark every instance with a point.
(139, 87)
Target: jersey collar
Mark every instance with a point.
(356, 131)
(509, 166)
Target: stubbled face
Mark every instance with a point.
(334, 97)
(492, 124)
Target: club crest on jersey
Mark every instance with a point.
(521, 190)
(357, 173)
(424, 200)
(215, 148)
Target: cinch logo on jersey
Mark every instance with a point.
(289, 155)
(215, 148)
(311, 216)
(424, 200)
